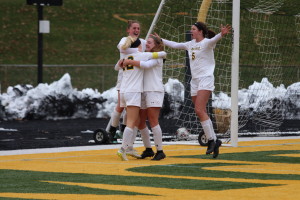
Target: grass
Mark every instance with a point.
(81, 32)
(87, 32)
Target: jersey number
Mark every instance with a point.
(129, 67)
(193, 56)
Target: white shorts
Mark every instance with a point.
(152, 99)
(202, 83)
(130, 99)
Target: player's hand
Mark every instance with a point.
(121, 63)
(126, 62)
(225, 29)
(129, 40)
(156, 35)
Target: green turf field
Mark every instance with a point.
(268, 170)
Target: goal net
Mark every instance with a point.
(269, 63)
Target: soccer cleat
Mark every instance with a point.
(159, 156)
(122, 154)
(211, 146)
(216, 150)
(147, 153)
(130, 151)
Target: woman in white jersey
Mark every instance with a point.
(152, 98)
(130, 96)
(202, 63)
(127, 45)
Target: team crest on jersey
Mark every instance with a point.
(196, 48)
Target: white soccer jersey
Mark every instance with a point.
(132, 76)
(201, 55)
(124, 53)
(153, 75)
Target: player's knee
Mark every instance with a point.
(153, 122)
(142, 126)
(200, 111)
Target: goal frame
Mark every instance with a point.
(234, 65)
(235, 72)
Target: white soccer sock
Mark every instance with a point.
(134, 133)
(127, 137)
(208, 130)
(146, 137)
(212, 127)
(157, 134)
(115, 118)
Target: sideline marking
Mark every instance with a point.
(137, 144)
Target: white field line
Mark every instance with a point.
(137, 144)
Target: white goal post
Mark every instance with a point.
(234, 125)
(155, 18)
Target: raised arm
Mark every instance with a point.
(172, 44)
(124, 45)
(224, 31)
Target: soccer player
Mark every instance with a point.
(152, 100)
(131, 89)
(201, 56)
(127, 45)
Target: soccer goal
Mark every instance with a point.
(257, 66)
